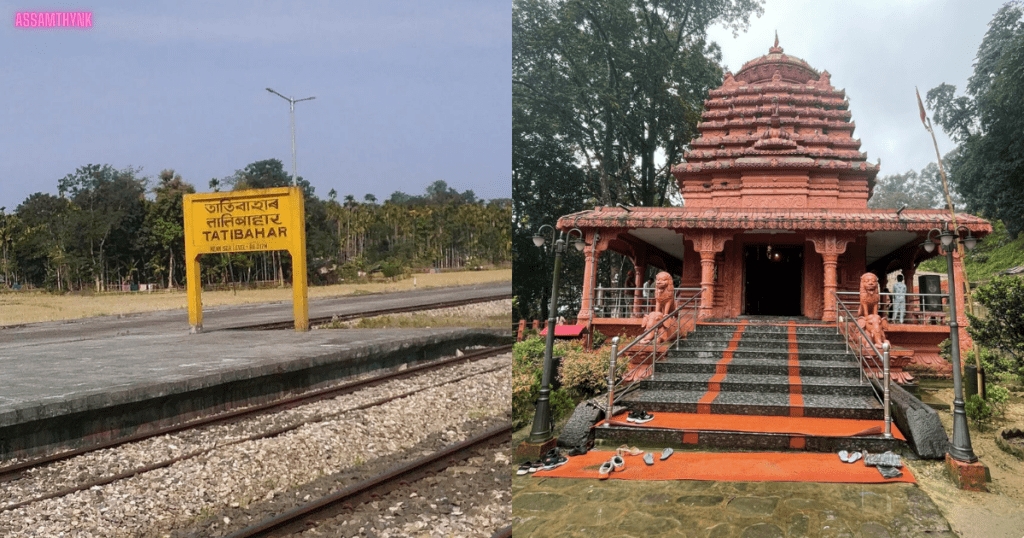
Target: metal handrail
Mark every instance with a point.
(915, 308)
(617, 387)
(862, 360)
(629, 302)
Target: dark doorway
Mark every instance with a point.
(773, 280)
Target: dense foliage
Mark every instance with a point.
(108, 228)
(1002, 328)
(987, 167)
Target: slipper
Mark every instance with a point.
(854, 457)
(536, 466)
(618, 463)
(844, 456)
(524, 468)
(605, 470)
(666, 453)
(649, 458)
(630, 450)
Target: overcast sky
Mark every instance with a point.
(407, 93)
(877, 51)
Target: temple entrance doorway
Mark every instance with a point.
(773, 280)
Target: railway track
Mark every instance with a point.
(279, 325)
(301, 518)
(17, 471)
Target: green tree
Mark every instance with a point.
(1003, 327)
(911, 189)
(620, 81)
(164, 221)
(988, 123)
(41, 239)
(111, 208)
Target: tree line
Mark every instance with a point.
(108, 228)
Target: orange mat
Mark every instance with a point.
(808, 426)
(731, 467)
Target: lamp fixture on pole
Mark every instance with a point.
(960, 446)
(291, 107)
(541, 431)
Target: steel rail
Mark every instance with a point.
(13, 472)
(277, 325)
(406, 472)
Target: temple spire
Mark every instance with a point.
(776, 49)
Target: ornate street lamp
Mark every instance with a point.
(960, 447)
(541, 432)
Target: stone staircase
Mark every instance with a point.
(778, 370)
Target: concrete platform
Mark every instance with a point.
(64, 384)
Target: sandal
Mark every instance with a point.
(649, 458)
(525, 468)
(666, 453)
(630, 450)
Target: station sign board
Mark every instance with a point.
(246, 221)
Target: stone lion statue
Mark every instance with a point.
(868, 295)
(664, 304)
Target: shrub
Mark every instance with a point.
(979, 411)
(585, 373)
(997, 397)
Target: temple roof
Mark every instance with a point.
(777, 116)
(912, 220)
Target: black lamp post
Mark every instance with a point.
(541, 431)
(960, 448)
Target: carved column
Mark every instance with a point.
(830, 247)
(708, 243)
(638, 294)
(590, 254)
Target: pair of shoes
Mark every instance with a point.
(530, 467)
(630, 450)
(553, 459)
(639, 417)
(846, 457)
(649, 457)
(614, 464)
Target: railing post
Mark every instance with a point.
(611, 380)
(885, 384)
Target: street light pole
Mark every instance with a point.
(541, 432)
(960, 446)
(291, 108)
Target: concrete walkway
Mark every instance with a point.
(563, 508)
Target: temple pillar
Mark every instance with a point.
(590, 254)
(830, 247)
(638, 293)
(708, 243)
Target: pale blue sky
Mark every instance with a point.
(407, 93)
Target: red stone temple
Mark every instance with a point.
(775, 217)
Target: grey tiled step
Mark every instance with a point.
(653, 437)
(741, 365)
(764, 354)
(765, 330)
(849, 386)
(721, 344)
(756, 403)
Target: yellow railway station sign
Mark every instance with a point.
(246, 221)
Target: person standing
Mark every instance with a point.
(899, 299)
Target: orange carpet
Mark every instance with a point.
(809, 426)
(731, 467)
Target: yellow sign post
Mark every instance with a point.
(246, 221)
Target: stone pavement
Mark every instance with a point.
(564, 507)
